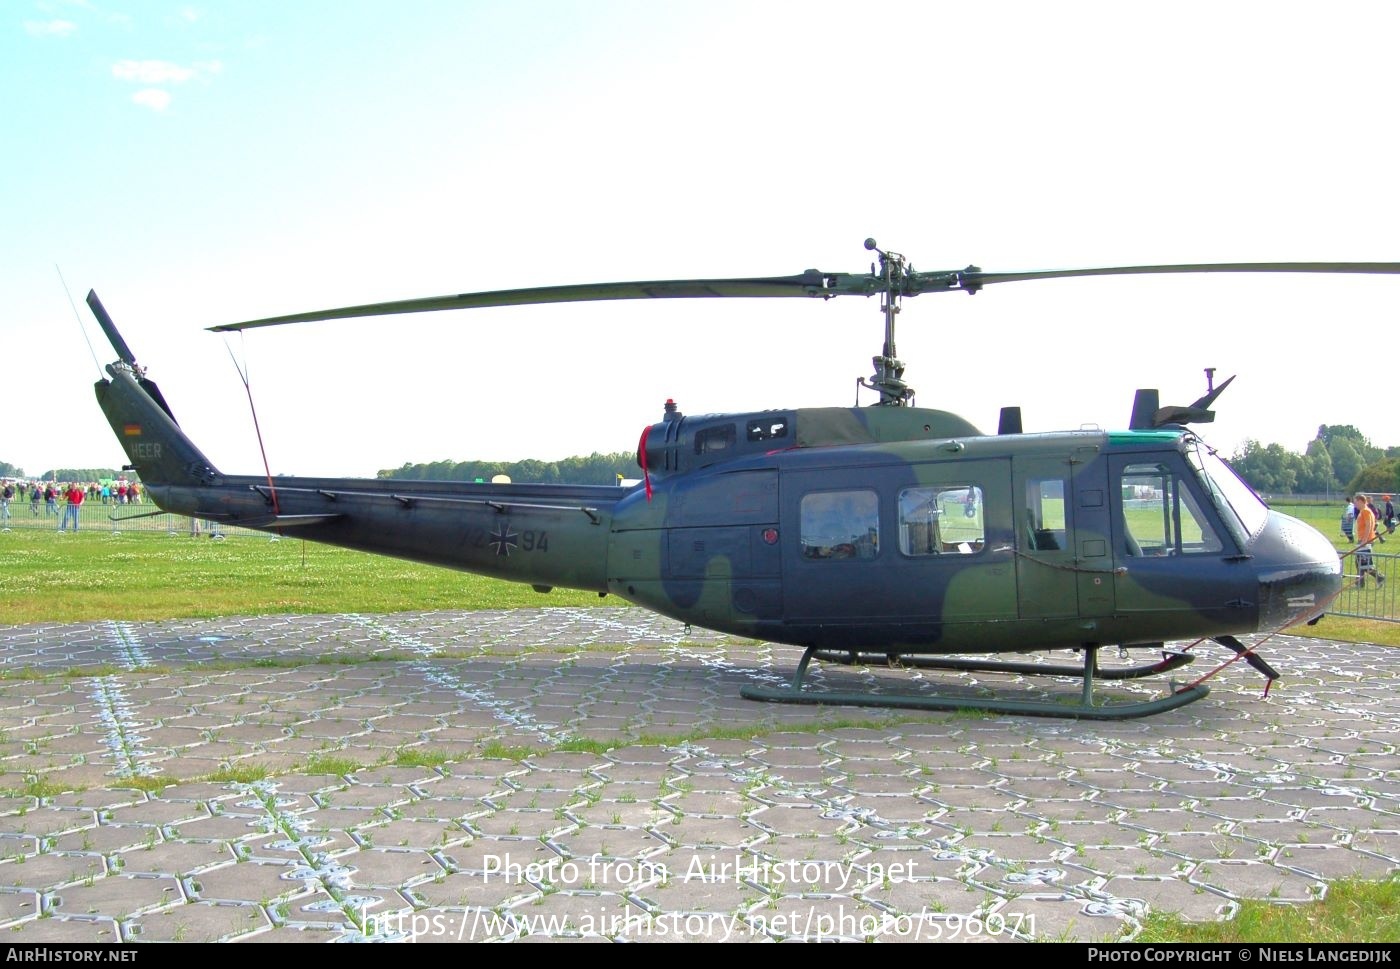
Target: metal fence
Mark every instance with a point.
(111, 517)
(1368, 600)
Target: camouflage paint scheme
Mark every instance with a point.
(714, 538)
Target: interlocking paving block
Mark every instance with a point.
(780, 757)
(464, 890)
(1109, 859)
(462, 786)
(1275, 833)
(520, 822)
(225, 827)
(198, 922)
(806, 822)
(175, 857)
(953, 779)
(1247, 809)
(1239, 878)
(14, 804)
(18, 905)
(1206, 845)
(36, 931)
(819, 918)
(499, 854)
(1383, 844)
(1061, 918)
(1079, 809)
(117, 896)
(1176, 896)
(1326, 796)
(610, 841)
(710, 832)
(541, 800)
(892, 813)
(378, 868)
(47, 822)
(633, 813)
(1332, 861)
(43, 872)
(985, 798)
(107, 838)
(412, 832)
(879, 785)
(246, 881)
(943, 896)
(792, 784)
(1018, 850)
(1354, 819)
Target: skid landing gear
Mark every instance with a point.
(1083, 710)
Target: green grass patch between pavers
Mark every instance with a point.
(496, 750)
(420, 757)
(330, 764)
(238, 774)
(1351, 911)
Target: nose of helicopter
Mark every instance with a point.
(1300, 572)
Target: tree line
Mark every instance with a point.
(8, 470)
(1339, 459)
(594, 469)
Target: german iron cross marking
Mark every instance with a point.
(504, 539)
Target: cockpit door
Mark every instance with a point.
(1064, 567)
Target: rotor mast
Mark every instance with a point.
(888, 380)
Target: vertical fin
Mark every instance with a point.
(1145, 404)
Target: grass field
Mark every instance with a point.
(142, 575)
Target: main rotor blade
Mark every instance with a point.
(970, 278)
(811, 283)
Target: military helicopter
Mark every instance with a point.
(862, 534)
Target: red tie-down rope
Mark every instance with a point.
(1251, 650)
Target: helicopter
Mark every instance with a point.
(885, 533)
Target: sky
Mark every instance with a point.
(205, 163)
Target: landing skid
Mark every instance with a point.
(1082, 710)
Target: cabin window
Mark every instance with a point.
(1045, 514)
(840, 525)
(714, 439)
(941, 520)
(768, 429)
(1161, 516)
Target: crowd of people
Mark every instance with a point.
(69, 495)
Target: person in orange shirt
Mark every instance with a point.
(1365, 535)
